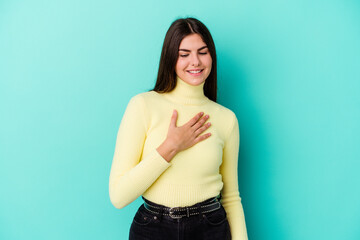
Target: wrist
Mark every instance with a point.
(167, 150)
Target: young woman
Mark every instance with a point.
(178, 149)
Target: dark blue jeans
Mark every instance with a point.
(150, 226)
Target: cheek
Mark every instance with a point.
(180, 65)
(207, 61)
(209, 65)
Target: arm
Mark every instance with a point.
(230, 193)
(130, 178)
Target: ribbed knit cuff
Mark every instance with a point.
(153, 165)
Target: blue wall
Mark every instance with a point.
(290, 70)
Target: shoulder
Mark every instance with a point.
(226, 113)
(228, 119)
(145, 96)
(138, 107)
(140, 99)
(143, 102)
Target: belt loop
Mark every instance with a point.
(187, 212)
(199, 209)
(161, 213)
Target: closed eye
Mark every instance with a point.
(201, 53)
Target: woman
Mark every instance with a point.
(166, 151)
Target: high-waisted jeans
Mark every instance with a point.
(208, 226)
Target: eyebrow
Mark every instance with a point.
(186, 50)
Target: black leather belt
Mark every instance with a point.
(179, 212)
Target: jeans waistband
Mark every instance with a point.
(207, 201)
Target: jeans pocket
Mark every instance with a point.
(143, 217)
(216, 217)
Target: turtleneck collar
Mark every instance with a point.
(187, 94)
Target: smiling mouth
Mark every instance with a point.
(196, 71)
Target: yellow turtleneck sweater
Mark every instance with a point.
(193, 175)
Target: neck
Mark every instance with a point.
(186, 93)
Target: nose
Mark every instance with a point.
(195, 61)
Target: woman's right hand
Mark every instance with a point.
(185, 136)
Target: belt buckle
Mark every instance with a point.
(172, 211)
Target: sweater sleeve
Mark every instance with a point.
(230, 193)
(130, 177)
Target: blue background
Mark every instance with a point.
(290, 70)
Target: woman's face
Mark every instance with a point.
(194, 56)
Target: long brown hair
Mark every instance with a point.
(179, 29)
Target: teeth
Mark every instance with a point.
(195, 71)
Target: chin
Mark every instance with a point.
(195, 82)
